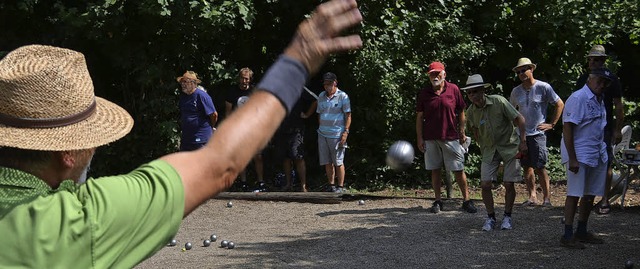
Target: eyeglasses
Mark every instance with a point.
(522, 70)
(597, 59)
(472, 92)
(187, 81)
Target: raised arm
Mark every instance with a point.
(213, 168)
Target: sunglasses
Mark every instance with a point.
(522, 70)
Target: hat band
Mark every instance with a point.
(475, 84)
(50, 122)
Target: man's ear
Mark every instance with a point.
(66, 159)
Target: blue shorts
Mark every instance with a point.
(537, 153)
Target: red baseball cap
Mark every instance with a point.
(436, 67)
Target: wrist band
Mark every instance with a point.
(285, 79)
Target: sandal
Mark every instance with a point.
(603, 209)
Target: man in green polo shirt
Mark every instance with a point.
(492, 121)
(51, 124)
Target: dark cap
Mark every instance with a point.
(603, 72)
(329, 76)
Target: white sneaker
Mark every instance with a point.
(506, 223)
(488, 224)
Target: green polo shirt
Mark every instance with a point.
(494, 123)
(110, 222)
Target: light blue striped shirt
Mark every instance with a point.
(332, 113)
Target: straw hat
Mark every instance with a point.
(475, 81)
(597, 51)
(189, 75)
(47, 103)
(522, 62)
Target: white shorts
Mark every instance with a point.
(588, 180)
(512, 169)
(437, 152)
(330, 151)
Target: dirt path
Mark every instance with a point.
(392, 233)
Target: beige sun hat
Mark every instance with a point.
(189, 75)
(522, 62)
(475, 81)
(47, 103)
(597, 51)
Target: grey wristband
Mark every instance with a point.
(285, 79)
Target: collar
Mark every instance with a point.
(17, 186)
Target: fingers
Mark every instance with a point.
(342, 44)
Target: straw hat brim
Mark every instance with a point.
(533, 67)
(109, 123)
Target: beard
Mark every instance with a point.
(83, 176)
(436, 82)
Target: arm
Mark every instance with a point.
(519, 122)
(618, 108)
(231, 149)
(347, 124)
(567, 134)
(227, 109)
(556, 117)
(419, 131)
(213, 118)
(462, 120)
(310, 111)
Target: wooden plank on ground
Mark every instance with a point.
(301, 197)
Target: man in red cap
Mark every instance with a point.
(440, 133)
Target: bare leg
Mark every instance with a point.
(530, 180)
(487, 196)
(570, 207)
(509, 197)
(331, 175)
(287, 167)
(544, 183)
(461, 178)
(340, 172)
(301, 168)
(436, 183)
(586, 204)
(257, 161)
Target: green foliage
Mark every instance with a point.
(136, 49)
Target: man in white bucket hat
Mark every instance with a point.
(596, 58)
(531, 99)
(51, 124)
(492, 121)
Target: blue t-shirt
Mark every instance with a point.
(332, 112)
(195, 120)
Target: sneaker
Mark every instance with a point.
(331, 188)
(506, 223)
(489, 224)
(469, 206)
(338, 190)
(262, 187)
(571, 243)
(244, 186)
(436, 207)
(547, 203)
(589, 238)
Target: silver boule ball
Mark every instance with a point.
(188, 246)
(224, 243)
(173, 243)
(400, 155)
(206, 242)
(361, 202)
(213, 238)
(229, 204)
(231, 245)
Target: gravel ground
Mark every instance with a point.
(393, 233)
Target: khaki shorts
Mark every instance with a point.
(512, 169)
(447, 152)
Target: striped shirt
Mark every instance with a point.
(332, 113)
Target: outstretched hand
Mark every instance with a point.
(317, 37)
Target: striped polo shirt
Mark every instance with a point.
(332, 113)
